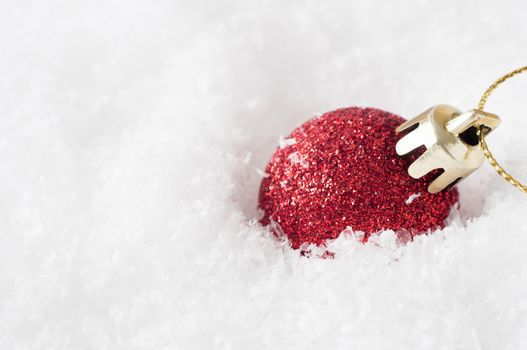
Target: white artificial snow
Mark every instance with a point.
(283, 142)
(298, 158)
(128, 212)
(412, 198)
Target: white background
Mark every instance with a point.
(131, 139)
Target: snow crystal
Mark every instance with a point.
(297, 158)
(128, 211)
(283, 142)
(413, 197)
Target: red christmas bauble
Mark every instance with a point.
(341, 170)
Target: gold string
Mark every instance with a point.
(481, 132)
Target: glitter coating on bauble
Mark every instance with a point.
(339, 171)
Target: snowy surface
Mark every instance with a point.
(132, 141)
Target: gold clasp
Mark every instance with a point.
(451, 140)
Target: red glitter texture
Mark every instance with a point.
(343, 171)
